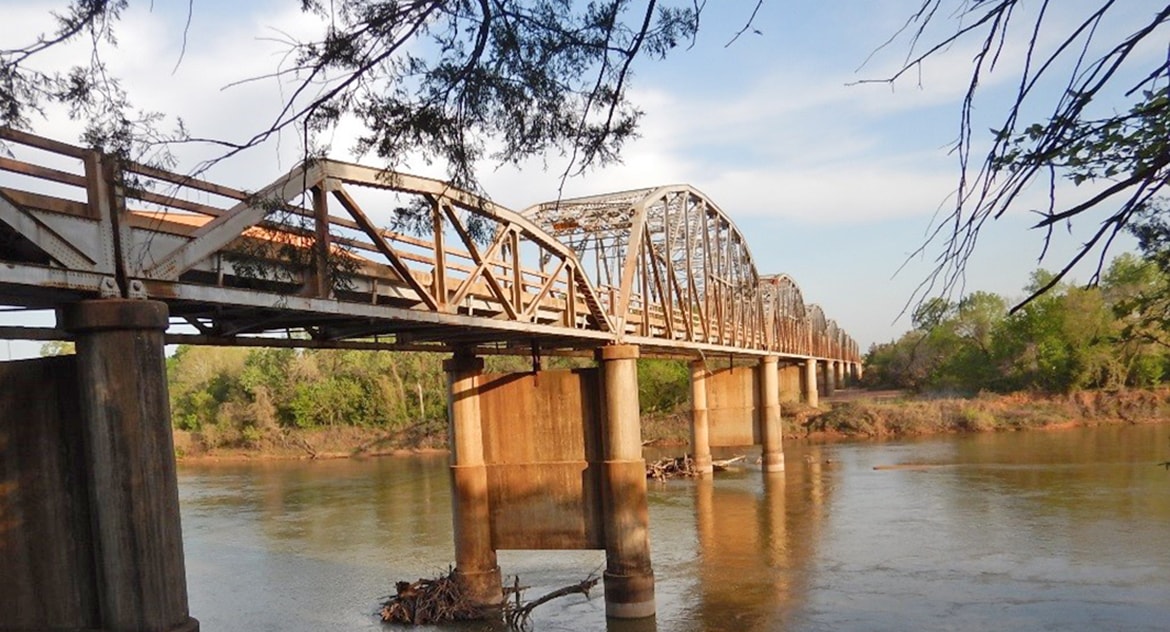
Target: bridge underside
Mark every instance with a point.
(335, 255)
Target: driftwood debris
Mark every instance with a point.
(425, 601)
(671, 467)
(440, 600)
(684, 467)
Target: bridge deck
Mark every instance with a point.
(337, 254)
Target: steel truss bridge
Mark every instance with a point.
(308, 261)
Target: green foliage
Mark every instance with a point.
(240, 395)
(663, 385)
(1065, 339)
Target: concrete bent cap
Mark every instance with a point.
(113, 314)
(618, 352)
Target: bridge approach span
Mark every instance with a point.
(337, 254)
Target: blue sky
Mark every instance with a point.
(834, 184)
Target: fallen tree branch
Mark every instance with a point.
(517, 615)
(720, 465)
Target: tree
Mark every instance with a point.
(440, 77)
(1099, 55)
(1139, 289)
(57, 348)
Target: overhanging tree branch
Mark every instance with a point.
(1126, 151)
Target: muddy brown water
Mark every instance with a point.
(1060, 530)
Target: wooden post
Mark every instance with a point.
(700, 432)
(629, 578)
(810, 383)
(130, 459)
(771, 432)
(475, 557)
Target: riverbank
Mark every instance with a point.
(338, 442)
(887, 417)
(854, 414)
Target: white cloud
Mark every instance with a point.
(865, 193)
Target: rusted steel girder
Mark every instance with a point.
(334, 251)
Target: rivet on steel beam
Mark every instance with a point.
(137, 290)
(109, 288)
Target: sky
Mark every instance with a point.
(834, 183)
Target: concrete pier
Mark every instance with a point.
(771, 432)
(700, 431)
(90, 536)
(476, 569)
(809, 383)
(46, 550)
(129, 458)
(830, 374)
(629, 578)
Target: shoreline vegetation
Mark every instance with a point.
(849, 415)
(1070, 356)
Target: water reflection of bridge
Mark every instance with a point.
(125, 253)
(755, 545)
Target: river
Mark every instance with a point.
(1041, 530)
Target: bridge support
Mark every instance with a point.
(771, 432)
(629, 578)
(809, 383)
(476, 569)
(830, 375)
(700, 430)
(839, 374)
(133, 489)
(93, 539)
(790, 383)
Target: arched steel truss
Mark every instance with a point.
(791, 329)
(669, 263)
(333, 253)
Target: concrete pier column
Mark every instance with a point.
(700, 431)
(857, 371)
(830, 378)
(629, 578)
(130, 464)
(771, 432)
(809, 385)
(839, 373)
(476, 569)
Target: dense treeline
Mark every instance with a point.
(1069, 338)
(236, 396)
